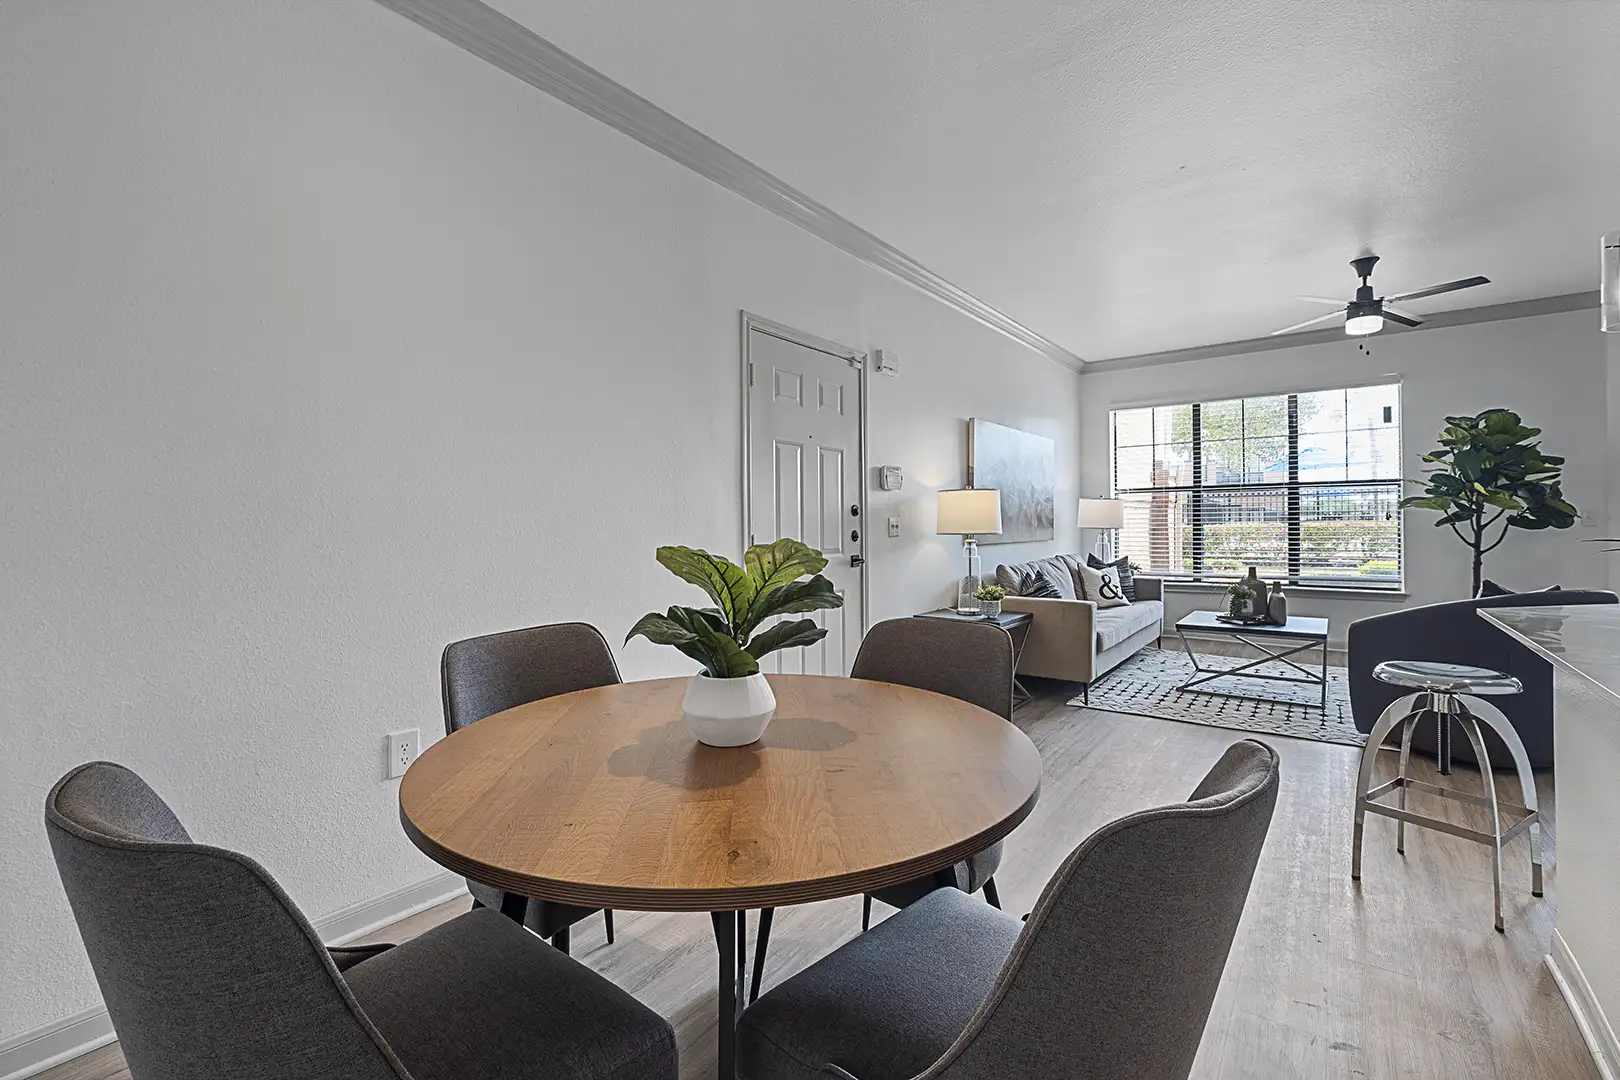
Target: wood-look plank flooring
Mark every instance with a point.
(1401, 977)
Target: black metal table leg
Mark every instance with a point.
(762, 939)
(727, 931)
(742, 960)
(514, 907)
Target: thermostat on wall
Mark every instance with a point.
(891, 478)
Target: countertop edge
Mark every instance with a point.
(1556, 660)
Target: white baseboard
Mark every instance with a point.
(358, 920)
(51, 1044)
(30, 1052)
(1589, 1018)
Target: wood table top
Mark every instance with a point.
(604, 797)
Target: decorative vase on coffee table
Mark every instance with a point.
(1257, 603)
(1277, 605)
(728, 712)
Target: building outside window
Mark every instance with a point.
(1305, 487)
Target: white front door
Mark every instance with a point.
(804, 476)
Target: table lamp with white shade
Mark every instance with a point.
(969, 512)
(1104, 515)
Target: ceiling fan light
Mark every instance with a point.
(1362, 325)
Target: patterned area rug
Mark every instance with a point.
(1145, 685)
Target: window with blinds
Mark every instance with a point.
(1305, 487)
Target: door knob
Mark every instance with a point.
(857, 560)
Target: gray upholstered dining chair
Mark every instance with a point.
(485, 675)
(1112, 976)
(209, 970)
(970, 661)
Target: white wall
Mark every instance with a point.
(1612, 344)
(323, 344)
(1549, 368)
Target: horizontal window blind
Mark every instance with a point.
(1304, 487)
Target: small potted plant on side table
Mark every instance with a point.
(989, 598)
(729, 703)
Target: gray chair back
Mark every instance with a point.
(208, 970)
(1115, 973)
(972, 661)
(485, 675)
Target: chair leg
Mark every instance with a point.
(1488, 779)
(1505, 730)
(559, 941)
(607, 917)
(1406, 759)
(1397, 711)
(866, 914)
(990, 893)
(762, 942)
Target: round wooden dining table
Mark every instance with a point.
(604, 798)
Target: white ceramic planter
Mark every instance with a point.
(728, 712)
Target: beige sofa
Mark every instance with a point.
(1075, 640)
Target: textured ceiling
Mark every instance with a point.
(1129, 177)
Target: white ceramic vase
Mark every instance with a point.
(728, 712)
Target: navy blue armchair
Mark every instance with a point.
(1452, 633)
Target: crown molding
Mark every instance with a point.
(1518, 309)
(518, 51)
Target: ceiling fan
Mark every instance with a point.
(1366, 313)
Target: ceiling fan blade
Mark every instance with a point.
(1321, 300)
(1405, 318)
(1436, 290)
(1308, 322)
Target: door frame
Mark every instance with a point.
(856, 359)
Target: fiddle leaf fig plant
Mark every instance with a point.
(1489, 469)
(722, 637)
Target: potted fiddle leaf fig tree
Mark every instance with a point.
(1488, 470)
(729, 703)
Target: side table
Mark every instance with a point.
(1016, 623)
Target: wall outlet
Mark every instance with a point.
(894, 526)
(401, 748)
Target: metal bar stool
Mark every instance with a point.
(1453, 692)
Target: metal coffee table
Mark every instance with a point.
(1275, 643)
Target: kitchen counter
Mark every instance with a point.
(1582, 640)
(1583, 644)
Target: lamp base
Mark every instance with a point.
(970, 582)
